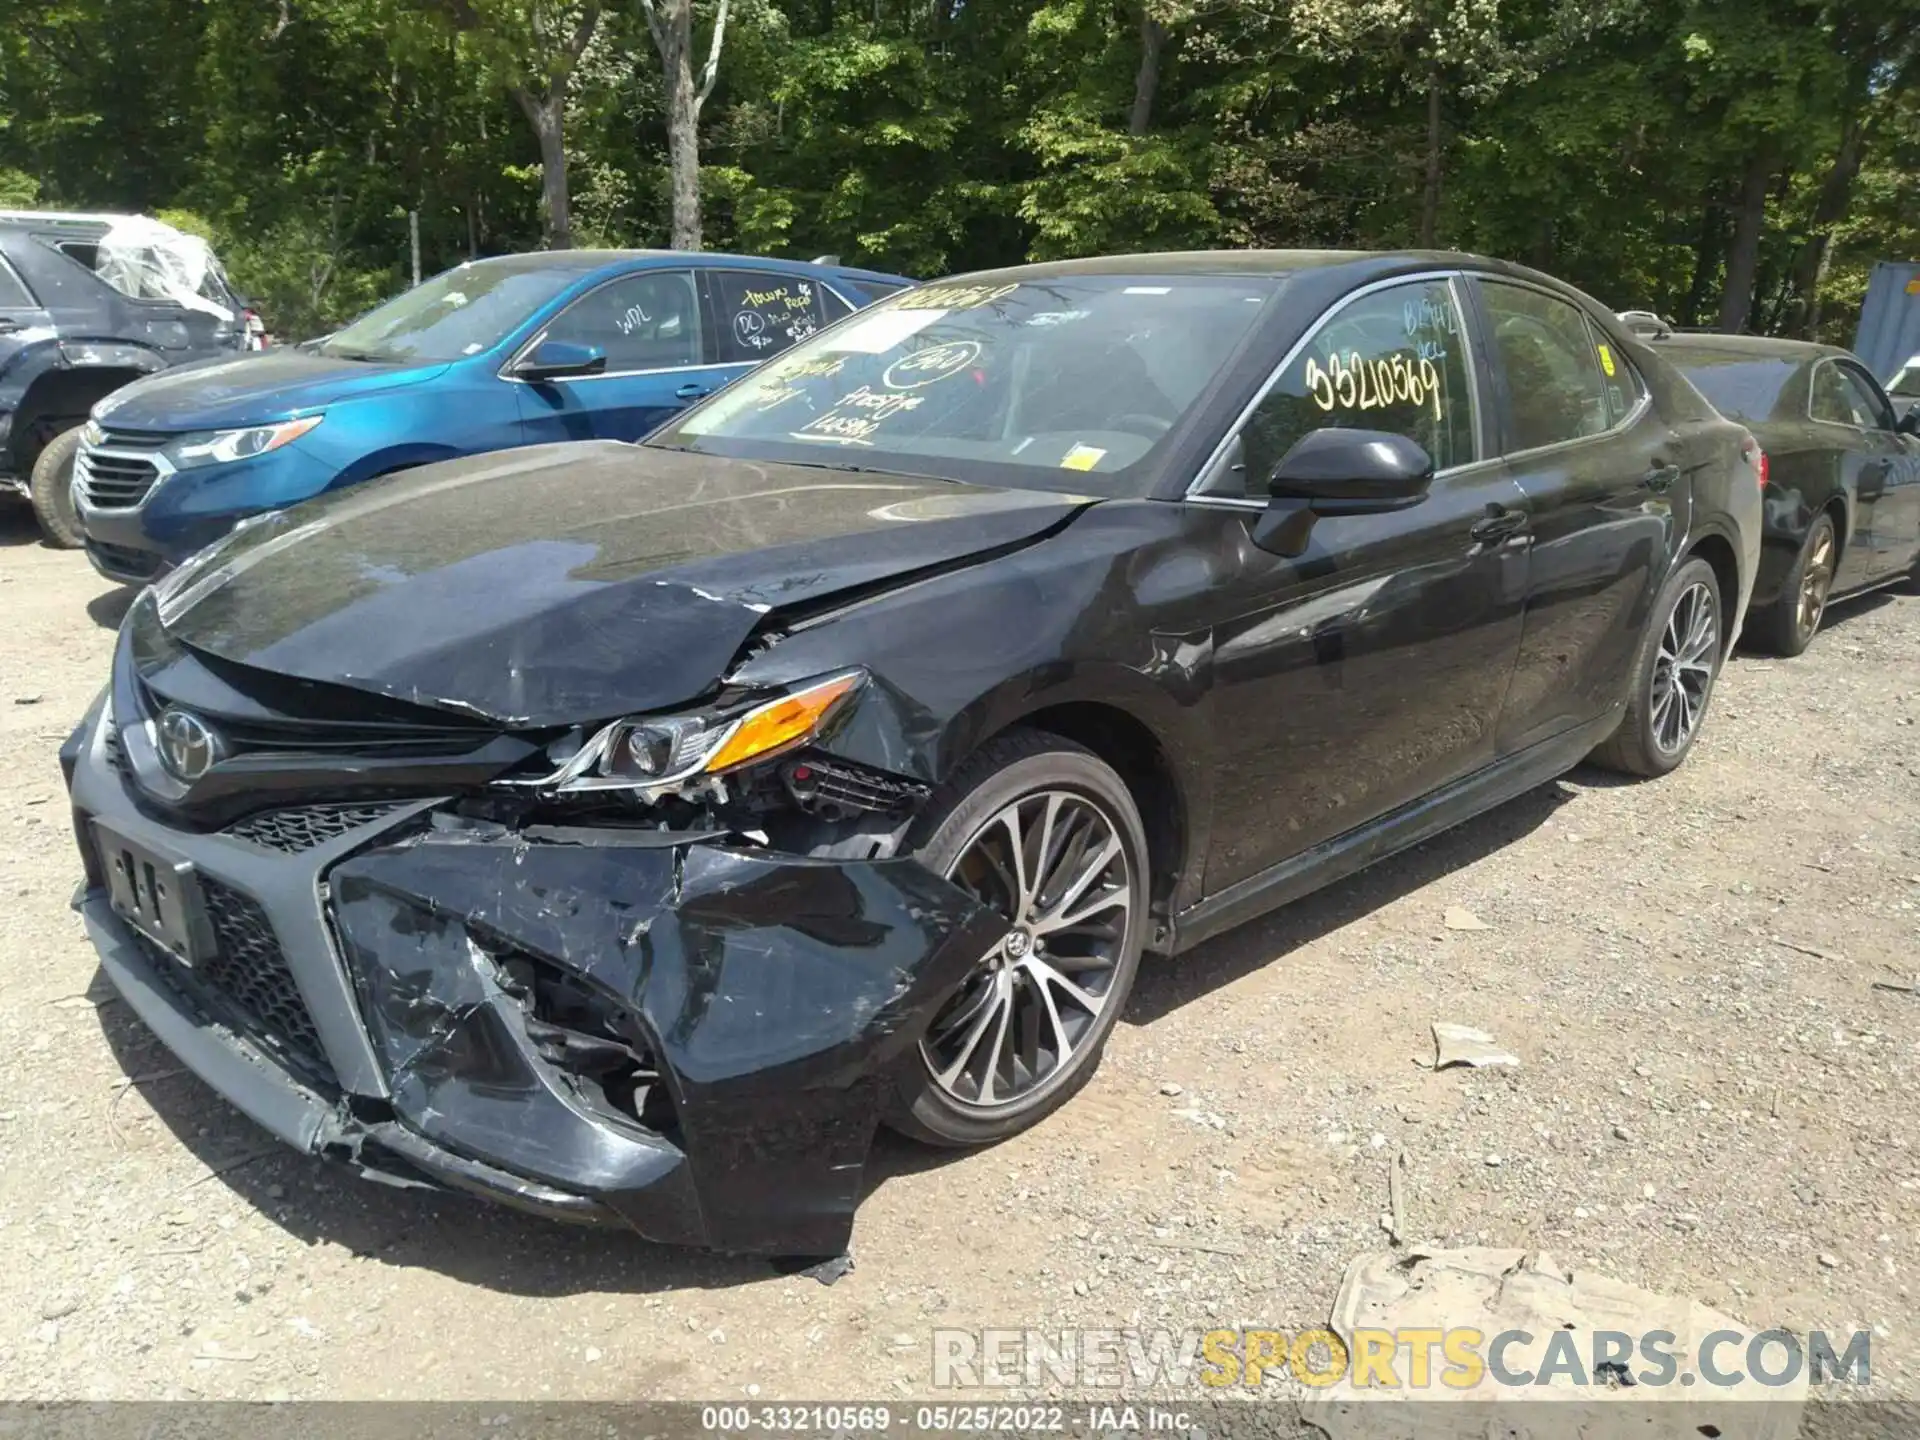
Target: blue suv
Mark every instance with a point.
(518, 350)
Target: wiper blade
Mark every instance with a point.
(351, 352)
(845, 469)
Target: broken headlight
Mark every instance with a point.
(686, 754)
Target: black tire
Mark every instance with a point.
(1788, 625)
(51, 487)
(1635, 748)
(1024, 769)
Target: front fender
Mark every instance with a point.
(1090, 616)
(109, 355)
(389, 458)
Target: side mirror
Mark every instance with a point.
(1908, 422)
(1340, 472)
(558, 359)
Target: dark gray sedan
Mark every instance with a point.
(1843, 482)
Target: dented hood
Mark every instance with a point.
(563, 584)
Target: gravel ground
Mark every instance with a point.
(1713, 1102)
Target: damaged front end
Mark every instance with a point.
(659, 971)
(696, 1036)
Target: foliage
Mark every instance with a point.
(1753, 157)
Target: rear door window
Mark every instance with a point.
(1557, 383)
(1625, 388)
(13, 290)
(760, 313)
(1834, 400)
(1868, 404)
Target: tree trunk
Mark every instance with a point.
(1146, 80)
(1743, 255)
(1708, 248)
(671, 24)
(1430, 198)
(1810, 268)
(547, 114)
(683, 127)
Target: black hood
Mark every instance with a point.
(568, 583)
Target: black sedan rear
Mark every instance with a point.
(626, 831)
(1843, 491)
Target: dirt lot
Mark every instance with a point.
(1713, 1101)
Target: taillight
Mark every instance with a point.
(1751, 452)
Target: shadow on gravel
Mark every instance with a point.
(109, 607)
(1841, 612)
(17, 525)
(1164, 986)
(320, 1203)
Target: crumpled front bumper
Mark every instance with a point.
(357, 1002)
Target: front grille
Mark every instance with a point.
(111, 479)
(299, 828)
(250, 973)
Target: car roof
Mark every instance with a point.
(1261, 262)
(591, 262)
(1716, 345)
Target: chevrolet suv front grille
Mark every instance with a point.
(115, 474)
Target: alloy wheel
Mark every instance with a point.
(1815, 581)
(1683, 669)
(1053, 864)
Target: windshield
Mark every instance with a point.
(462, 312)
(1907, 383)
(1067, 383)
(1745, 390)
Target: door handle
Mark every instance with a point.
(8, 326)
(1499, 523)
(691, 392)
(1661, 478)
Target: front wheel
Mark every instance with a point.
(51, 487)
(1674, 668)
(1044, 833)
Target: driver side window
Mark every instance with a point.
(1393, 360)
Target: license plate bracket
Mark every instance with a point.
(156, 894)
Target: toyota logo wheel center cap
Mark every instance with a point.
(188, 746)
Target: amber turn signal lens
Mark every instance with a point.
(783, 722)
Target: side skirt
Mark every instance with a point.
(1338, 858)
(1872, 587)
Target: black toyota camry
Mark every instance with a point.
(625, 832)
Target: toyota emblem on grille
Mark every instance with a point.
(189, 747)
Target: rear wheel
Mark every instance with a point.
(51, 487)
(1046, 834)
(1674, 668)
(1787, 626)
